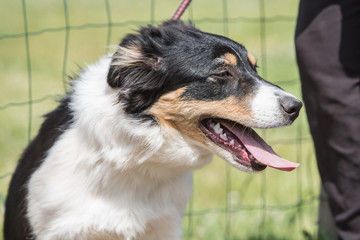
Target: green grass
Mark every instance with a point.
(226, 204)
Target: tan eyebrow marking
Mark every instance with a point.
(252, 59)
(230, 59)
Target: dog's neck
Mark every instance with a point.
(138, 162)
(131, 144)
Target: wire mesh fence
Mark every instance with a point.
(40, 48)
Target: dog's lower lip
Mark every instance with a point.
(224, 138)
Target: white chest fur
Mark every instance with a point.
(108, 177)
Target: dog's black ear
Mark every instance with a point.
(137, 70)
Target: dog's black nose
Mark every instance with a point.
(291, 106)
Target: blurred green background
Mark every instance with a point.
(66, 35)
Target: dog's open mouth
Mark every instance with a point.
(246, 146)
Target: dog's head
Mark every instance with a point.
(204, 86)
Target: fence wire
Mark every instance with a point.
(228, 210)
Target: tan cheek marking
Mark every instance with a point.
(230, 59)
(166, 107)
(184, 115)
(252, 59)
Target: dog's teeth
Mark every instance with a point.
(218, 129)
(223, 136)
(232, 142)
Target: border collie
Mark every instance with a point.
(115, 159)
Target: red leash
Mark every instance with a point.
(181, 9)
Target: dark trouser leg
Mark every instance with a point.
(328, 54)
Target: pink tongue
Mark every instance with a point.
(262, 151)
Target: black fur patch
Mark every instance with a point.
(16, 224)
(176, 55)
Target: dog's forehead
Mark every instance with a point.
(225, 48)
(192, 40)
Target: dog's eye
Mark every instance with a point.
(223, 74)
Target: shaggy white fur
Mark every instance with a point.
(112, 176)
